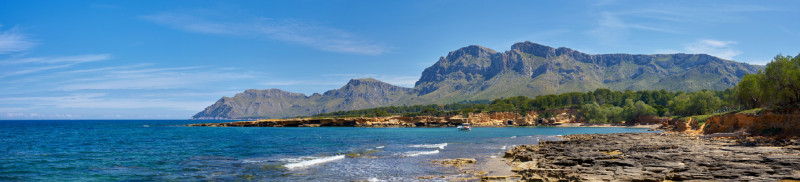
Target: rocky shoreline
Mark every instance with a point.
(562, 117)
(657, 157)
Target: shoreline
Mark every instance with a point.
(425, 122)
(656, 157)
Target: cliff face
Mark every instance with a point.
(477, 73)
(769, 123)
(531, 69)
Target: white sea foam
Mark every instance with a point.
(374, 180)
(313, 162)
(493, 156)
(513, 136)
(416, 153)
(255, 160)
(297, 159)
(379, 147)
(503, 148)
(430, 146)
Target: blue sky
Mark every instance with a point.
(171, 59)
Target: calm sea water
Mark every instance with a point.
(163, 150)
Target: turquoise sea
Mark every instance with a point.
(164, 150)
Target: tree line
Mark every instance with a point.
(778, 85)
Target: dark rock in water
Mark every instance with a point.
(456, 162)
(653, 157)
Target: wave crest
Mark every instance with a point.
(440, 146)
(313, 162)
(416, 153)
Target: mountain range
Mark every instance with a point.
(479, 73)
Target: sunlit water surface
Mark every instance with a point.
(159, 150)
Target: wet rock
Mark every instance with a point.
(501, 178)
(456, 162)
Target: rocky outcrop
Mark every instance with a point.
(654, 157)
(479, 73)
(455, 162)
(782, 122)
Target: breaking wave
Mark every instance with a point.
(314, 161)
(416, 153)
(440, 146)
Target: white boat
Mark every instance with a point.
(464, 127)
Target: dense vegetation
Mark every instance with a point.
(777, 85)
(417, 110)
(601, 105)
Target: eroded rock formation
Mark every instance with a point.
(654, 157)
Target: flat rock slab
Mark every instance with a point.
(654, 157)
(455, 162)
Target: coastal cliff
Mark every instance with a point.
(783, 122)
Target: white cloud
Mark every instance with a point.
(721, 49)
(308, 34)
(13, 41)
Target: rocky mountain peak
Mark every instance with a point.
(476, 73)
(472, 50)
(366, 85)
(545, 51)
(470, 60)
(360, 81)
(534, 49)
(269, 93)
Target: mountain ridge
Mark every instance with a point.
(476, 73)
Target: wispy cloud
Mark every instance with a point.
(124, 77)
(100, 101)
(340, 79)
(35, 64)
(722, 49)
(62, 59)
(13, 41)
(399, 80)
(292, 31)
(21, 115)
(614, 25)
